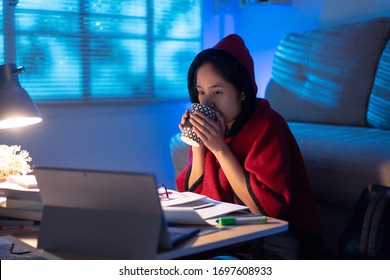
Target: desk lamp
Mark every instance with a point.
(16, 106)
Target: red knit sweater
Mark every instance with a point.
(275, 172)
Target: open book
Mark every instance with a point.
(194, 209)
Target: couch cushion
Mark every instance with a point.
(341, 161)
(378, 114)
(326, 75)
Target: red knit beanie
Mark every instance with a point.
(235, 45)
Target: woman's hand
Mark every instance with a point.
(212, 133)
(184, 117)
(196, 150)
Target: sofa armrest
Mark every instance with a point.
(179, 153)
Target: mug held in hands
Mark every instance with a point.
(188, 136)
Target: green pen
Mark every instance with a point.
(225, 221)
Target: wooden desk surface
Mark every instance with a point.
(192, 246)
(224, 238)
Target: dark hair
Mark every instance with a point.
(233, 72)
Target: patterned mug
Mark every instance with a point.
(188, 136)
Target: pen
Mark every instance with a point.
(242, 220)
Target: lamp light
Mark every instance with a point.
(16, 106)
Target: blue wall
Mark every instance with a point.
(135, 137)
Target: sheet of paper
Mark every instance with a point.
(183, 216)
(27, 181)
(203, 211)
(219, 209)
(16, 187)
(177, 198)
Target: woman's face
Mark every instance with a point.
(217, 93)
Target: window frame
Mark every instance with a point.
(87, 95)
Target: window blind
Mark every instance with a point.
(102, 48)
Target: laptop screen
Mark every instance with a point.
(99, 213)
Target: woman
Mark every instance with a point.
(248, 156)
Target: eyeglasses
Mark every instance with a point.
(163, 192)
(15, 251)
(18, 252)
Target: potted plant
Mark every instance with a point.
(13, 161)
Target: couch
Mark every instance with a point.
(332, 85)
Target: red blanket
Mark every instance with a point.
(276, 175)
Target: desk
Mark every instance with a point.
(224, 238)
(194, 245)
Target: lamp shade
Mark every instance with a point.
(16, 106)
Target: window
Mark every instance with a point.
(101, 48)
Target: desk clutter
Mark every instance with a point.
(114, 215)
(189, 208)
(20, 205)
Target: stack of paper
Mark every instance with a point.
(195, 209)
(20, 202)
(12, 190)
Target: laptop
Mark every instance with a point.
(104, 214)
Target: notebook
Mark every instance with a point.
(103, 214)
